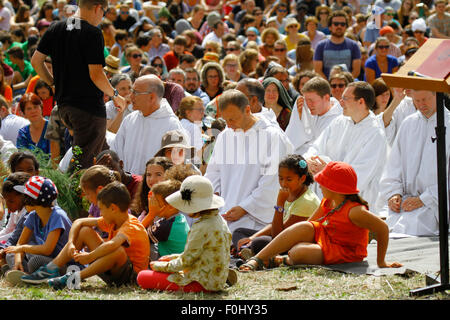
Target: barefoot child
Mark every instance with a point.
(49, 225)
(337, 232)
(117, 259)
(203, 266)
(295, 203)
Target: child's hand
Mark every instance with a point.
(283, 194)
(82, 257)
(242, 242)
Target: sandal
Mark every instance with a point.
(251, 267)
(276, 262)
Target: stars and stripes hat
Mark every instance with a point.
(39, 188)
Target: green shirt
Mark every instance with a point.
(170, 234)
(26, 71)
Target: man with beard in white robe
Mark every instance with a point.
(140, 133)
(244, 165)
(409, 181)
(355, 137)
(310, 119)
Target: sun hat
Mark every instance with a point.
(419, 25)
(290, 22)
(196, 194)
(386, 29)
(112, 64)
(339, 177)
(175, 139)
(39, 188)
(211, 56)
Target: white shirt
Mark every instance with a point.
(211, 37)
(11, 125)
(411, 171)
(244, 170)
(12, 223)
(362, 145)
(139, 137)
(404, 109)
(302, 133)
(7, 148)
(112, 111)
(5, 23)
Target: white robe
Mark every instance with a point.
(244, 171)
(411, 171)
(404, 109)
(302, 133)
(139, 137)
(362, 145)
(268, 114)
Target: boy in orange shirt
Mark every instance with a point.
(117, 260)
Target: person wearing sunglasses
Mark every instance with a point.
(338, 83)
(280, 51)
(134, 57)
(124, 20)
(380, 62)
(338, 49)
(419, 28)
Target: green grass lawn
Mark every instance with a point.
(276, 284)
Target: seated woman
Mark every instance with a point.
(278, 99)
(32, 135)
(134, 57)
(232, 68)
(212, 77)
(380, 62)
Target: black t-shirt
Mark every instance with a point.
(73, 45)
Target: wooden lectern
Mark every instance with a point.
(429, 69)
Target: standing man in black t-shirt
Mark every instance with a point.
(76, 48)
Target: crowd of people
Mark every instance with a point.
(215, 135)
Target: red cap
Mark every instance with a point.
(338, 177)
(385, 30)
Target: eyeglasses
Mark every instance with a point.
(136, 55)
(337, 24)
(418, 31)
(337, 85)
(279, 49)
(231, 65)
(282, 10)
(383, 47)
(324, 12)
(251, 35)
(139, 93)
(124, 12)
(231, 49)
(158, 65)
(209, 49)
(292, 26)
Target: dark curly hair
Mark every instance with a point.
(292, 162)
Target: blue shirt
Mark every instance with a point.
(58, 220)
(372, 63)
(332, 54)
(24, 139)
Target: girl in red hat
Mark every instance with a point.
(338, 232)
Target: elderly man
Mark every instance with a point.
(409, 181)
(244, 165)
(355, 137)
(158, 48)
(254, 91)
(140, 133)
(315, 111)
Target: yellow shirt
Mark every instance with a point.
(290, 45)
(304, 206)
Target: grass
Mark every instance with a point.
(277, 284)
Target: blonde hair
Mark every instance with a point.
(230, 57)
(187, 104)
(268, 31)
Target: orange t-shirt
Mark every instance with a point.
(138, 246)
(341, 240)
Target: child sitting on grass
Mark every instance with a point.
(47, 224)
(18, 214)
(169, 233)
(338, 232)
(117, 260)
(295, 203)
(203, 266)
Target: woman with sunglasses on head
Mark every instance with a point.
(134, 57)
(380, 62)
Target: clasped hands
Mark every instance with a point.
(396, 203)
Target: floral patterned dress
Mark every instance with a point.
(206, 256)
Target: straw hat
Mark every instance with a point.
(112, 64)
(290, 22)
(339, 177)
(196, 194)
(175, 139)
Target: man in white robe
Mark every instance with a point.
(409, 181)
(140, 133)
(244, 165)
(315, 111)
(355, 137)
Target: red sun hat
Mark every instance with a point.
(339, 177)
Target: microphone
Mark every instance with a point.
(414, 73)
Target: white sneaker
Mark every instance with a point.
(14, 277)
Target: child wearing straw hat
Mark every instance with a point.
(203, 266)
(338, 232)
